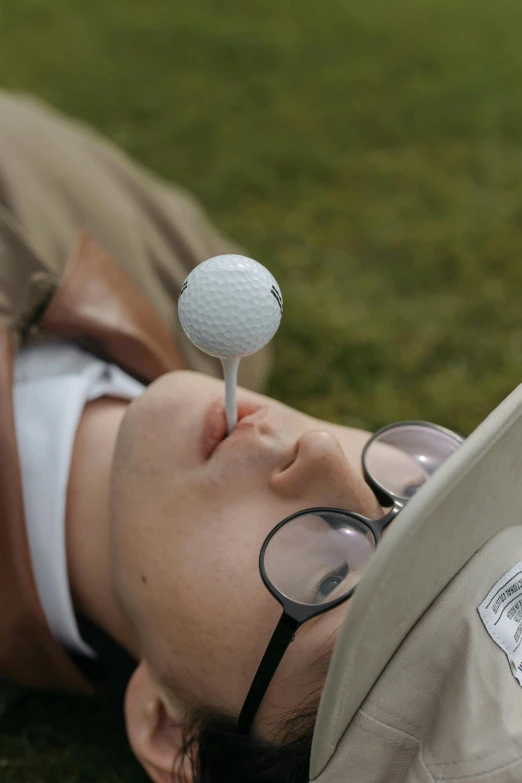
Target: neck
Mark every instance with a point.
(89, 556)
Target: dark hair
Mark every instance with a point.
(216, 753)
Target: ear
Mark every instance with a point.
(155, 733)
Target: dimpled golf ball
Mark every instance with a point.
(230, 306)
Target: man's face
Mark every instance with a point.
(190, 511)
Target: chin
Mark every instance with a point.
(183, 382)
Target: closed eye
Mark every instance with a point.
(411, 489)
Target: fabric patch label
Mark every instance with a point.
(501, 613)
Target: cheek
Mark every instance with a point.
(215, 571)
(209, 631)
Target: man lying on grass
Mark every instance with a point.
(131, 527)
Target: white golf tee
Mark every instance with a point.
(230, 368)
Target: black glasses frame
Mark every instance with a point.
(295, 613)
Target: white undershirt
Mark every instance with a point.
(52, 384)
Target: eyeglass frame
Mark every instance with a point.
(295, 614)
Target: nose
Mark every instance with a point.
(321, 475)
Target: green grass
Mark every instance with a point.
(55, 739)
(370, 154)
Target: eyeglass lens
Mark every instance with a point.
(402, 458)
(317, 557)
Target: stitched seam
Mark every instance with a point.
(482, 757)
(476, 775)
(391, 714)
(424, 765)
(390, 740)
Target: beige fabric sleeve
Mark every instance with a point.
(473, 497)
(57, 177)
(447, 707)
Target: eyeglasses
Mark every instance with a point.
(313, 560)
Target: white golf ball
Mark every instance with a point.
(230, 306)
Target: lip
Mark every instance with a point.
(214, 429)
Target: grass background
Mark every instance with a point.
(368, 153)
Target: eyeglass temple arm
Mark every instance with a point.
(277, 647)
